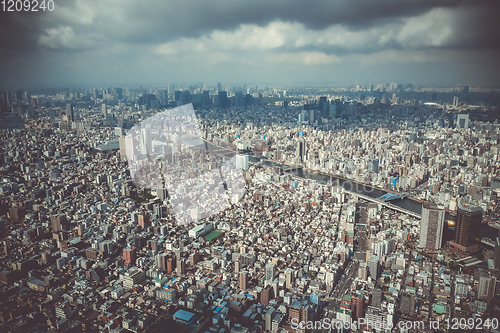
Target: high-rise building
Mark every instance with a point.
(219, 86)
(146, 141)
(431, 227)
(265, 295)
(143, 220)
(104, 110)
(374, 166)
(311, 116)
(70, 112)
(59, 222)
(462, 121)
(407, 305)
(299, 312)
(129, 255)
(467, 229)
(357, 303)
(243, 280)
(181, 268)
(289, 278)
(323, 106)
(223, 100)
(268, 317)
(376, 298)
(270, 272)
(300, 150)
(127, 148)
(496, 254)
(373, 266)
(119, 93)
(171, 264)
(363, 271)
(242, 162)
(487, 284)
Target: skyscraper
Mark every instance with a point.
(496, 255)
(373, 166)
(487, 284)
(126, 147)
(270, 272)
(129, 255)
(265, 295)
(70, 112)
(289, 278)
(146, 141)
(223, 100)
(462, 121)
(373, 266)
(59, 222)
(300, 150)
(104, 111)
(242, 162)
(431, 227)
(243, 280)
(181, 268)
(311, 116)
(467, 229)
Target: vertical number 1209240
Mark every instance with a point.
(27, 5)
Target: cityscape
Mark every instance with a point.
(250, 167)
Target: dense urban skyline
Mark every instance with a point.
(92, 42)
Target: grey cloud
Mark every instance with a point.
(27, 39)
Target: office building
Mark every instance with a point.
(298, 312)
(363, 271)
(243, 280)
(496, 254)
(127, 149)
(462, 121)
(59, 222)
(407, 306)
(487, 284)
(469, 218)
(289, 278)
(268, 318)
(181, 267)
(242, 162)
(132, 277)
(431, 227)
(311, 117)
(376, 300)
(373, 166)
(265, 295)
(300, 149)
(146, 142)
(143, 220)
(373, 266)
(70, 112)
(129, 255)
(270, 272)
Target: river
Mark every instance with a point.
(407, 203)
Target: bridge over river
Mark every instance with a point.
(386, 204)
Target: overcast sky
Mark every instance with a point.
(115, 42)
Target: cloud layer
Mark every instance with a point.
(90, 41)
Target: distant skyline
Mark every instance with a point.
(426, 42)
